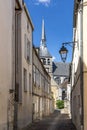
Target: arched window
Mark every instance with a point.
(48, 61)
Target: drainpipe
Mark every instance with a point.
(13, 65)
(81, 58)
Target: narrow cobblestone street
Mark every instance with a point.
(56, 121)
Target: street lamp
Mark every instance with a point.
(63, 53)
(63, 50)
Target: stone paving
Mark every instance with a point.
(56, 121)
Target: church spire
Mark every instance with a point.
(43, 48)
(43, 38)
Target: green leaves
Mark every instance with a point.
(60, 104)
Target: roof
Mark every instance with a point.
(34, 49)
(44, 52)
(61, 69)
(28, 16)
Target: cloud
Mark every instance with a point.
(44, 2)
(53, 58)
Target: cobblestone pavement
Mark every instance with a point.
(55, 121)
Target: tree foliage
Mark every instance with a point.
(60, 104)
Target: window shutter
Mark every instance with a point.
(28, 50)
(25, 80)
(30, 87)
(25, 46)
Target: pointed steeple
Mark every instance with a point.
(43, 48)
(43, 38)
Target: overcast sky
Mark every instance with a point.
(58, 18)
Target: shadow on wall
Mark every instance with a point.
(80, 81)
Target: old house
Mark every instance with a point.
(16, 65)
(24, 67)
(79, 66)
(42, 96)
(8, 61)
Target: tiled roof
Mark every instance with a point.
(61, 69)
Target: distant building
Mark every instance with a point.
(59, 72)
(44, 54)
(61, 76)
(46, 59)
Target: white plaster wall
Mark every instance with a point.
(68, 91)
(76, 106)
(41, 93)
(5, 58)
(60, 93)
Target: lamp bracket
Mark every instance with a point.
(69, 43)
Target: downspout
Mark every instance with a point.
(13, 62)
(81, 59)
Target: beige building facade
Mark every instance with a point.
(42, 96)
(55, 90)
(16, 65)
(24, 75)
(25, 84)
(7, 52)
(79, 66)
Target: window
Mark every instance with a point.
(25, 80)
(28, 50)
(30, 89)
(44, 61)
(37, 77)
(25, 46)
(63, 91)
(42, 81)
(48, 88)
(34, 74)
(48, 61)
(28, 26)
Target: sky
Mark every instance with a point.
(58, 18)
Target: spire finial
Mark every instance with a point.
(43, 38)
